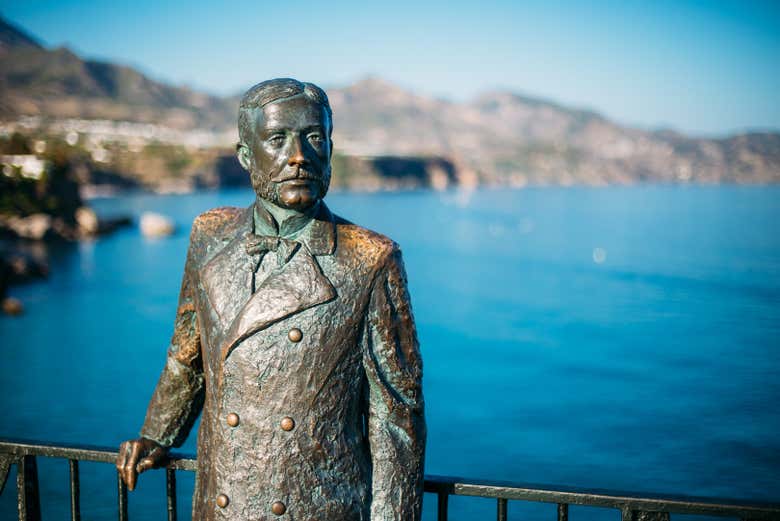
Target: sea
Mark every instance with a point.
(618, 338)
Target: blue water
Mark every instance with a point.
(615, 338)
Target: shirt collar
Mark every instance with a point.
(314, 228)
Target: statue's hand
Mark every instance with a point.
(136, 456)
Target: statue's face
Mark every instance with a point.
(289, 157)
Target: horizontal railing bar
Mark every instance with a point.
(607, 498)
(83, 453)
(445, 485)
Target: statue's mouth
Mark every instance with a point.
(298, 177)
(300, 181)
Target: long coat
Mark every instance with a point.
(310, 386)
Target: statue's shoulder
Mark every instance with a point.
(217, 223)
(367, 245)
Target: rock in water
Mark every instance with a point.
(12, 306)
(87, 221)
(35, 227)
(156, 225)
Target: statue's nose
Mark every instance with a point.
(297, 156)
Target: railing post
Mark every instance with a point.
(443, 504)
(28, 502)
(643, 515)
(563, 512)
(6, 460)
(501, 509)
(121, 497)
(170, 491)
(75, 491)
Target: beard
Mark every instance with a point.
(294, 192)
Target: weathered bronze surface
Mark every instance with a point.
(294, 337)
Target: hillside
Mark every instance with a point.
(12, 37)
(501, 138)
(498, 138)
(56, 83)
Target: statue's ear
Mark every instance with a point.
(244, 156)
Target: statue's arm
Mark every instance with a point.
(396, 421)
(178, 397)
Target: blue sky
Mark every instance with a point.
(706, 68)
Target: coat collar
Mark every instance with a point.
(297, 285)
(318, 234)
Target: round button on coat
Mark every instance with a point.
(287, 424)
(222, 501)
(295, 335)
(233, 420)
(278, 508)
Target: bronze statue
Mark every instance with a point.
(294, 336)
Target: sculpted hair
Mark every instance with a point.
(274, 90)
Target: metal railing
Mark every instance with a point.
(633, 506)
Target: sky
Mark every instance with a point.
(704, 68)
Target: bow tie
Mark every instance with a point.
(262, 244)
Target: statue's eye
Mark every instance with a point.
(277, 140)
(315, 138)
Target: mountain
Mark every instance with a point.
(505, 138)
(56, 83)
(12, 37)
(498, 138)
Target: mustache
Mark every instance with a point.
(297, 174)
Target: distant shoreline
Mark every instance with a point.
(90, 193)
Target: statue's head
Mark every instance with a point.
(284, 129)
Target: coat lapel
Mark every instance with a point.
(297, 285)
(227, 276)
